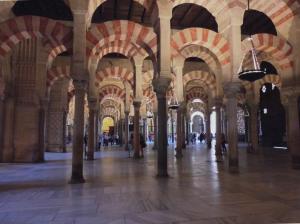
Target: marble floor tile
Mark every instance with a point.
(120, 190)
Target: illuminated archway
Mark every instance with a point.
(107, 124)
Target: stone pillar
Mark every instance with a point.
(162, 82)
(254, 128)
(97, 129)
(145, 128)
(293, 131)
(172, 126)
(79, 74)
(187, 132)
(126, 129)
(218, 104)
(155, 145)
(42, 126)
(179, 132)
(136, 129)
(161, 85)
(183, 129)
(208, 131)
(231, 90)
(92, 129)
(1, 124)
(8, 128)
(77, 159)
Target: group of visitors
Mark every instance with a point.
(105, 139)
(142, 144)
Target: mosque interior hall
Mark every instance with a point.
(149, 111)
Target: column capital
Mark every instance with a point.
(92, 103)
(80, 85)
(231, 89)
(136, 104)
(161, 85)
(218, 102)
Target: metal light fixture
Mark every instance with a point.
(173, 103)
(256, 72)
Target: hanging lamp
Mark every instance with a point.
(173, 103)
(256, 72)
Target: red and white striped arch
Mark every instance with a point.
(110, 112)
(218, 8)
(148, 76)
(12, 31)
(118, 73)
(196, 93)
(122, 47)
(207, 78)
(111, 91)
(121, 30)
(149, 93)
(56, 73)
(281, 12)
(202, 37)
(203, 53)
(275, 46)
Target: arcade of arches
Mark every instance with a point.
(72, 68)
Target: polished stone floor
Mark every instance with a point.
(120, 190)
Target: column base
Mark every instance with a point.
(77, 180)
(162, 175)
(219, 158)
(179, 155)
(296, 162)
(90, 158)
(136, 156)
(233, 165)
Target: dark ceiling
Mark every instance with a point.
(191, 15)
(184, 15)
(54, 9)
(257, 22)
(121, 10)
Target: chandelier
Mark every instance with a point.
(173, 104)
(254, 73)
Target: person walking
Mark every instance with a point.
(85, 141)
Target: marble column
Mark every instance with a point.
(208, 131)
(92, 129)
(231, 90)
(97, 129)
(293, 126)
(218, 104)
(8, 127)
(187, 131)
(183, 129)
(42, 132)
(1, 124)
(145, 128)
(254, 128)
(172, 125)
(155, 145)
(161, 85)
(136, 129)
(126, 129)
(179, 132)
(77, 154)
